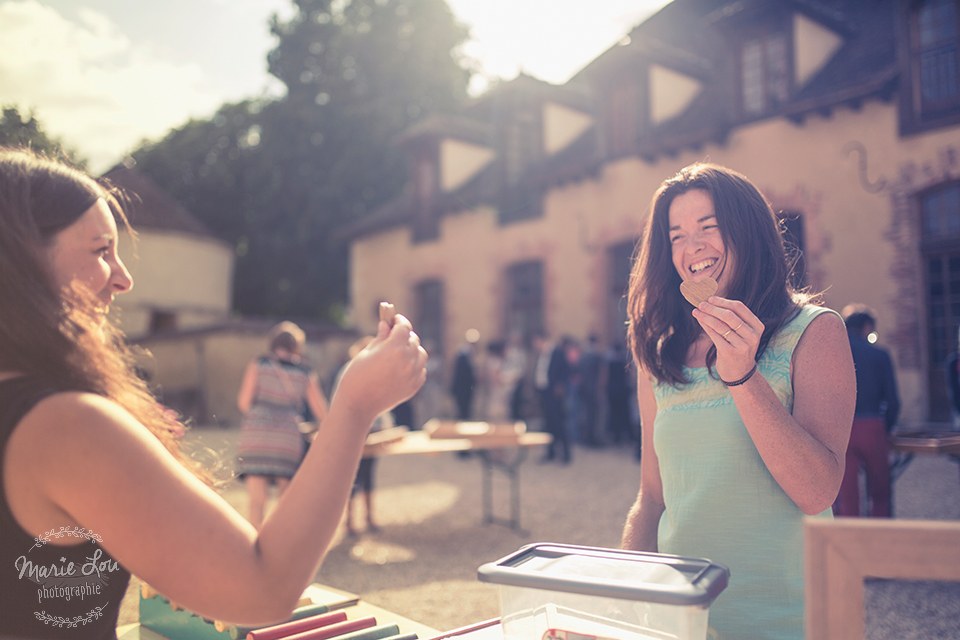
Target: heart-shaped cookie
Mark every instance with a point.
(697, 291)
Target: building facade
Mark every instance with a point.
(523, 214)
(182, 273)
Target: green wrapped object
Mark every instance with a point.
(238, 632)
(156, 615)
(373, 633)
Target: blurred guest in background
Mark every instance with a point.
(952, 377)
(464, 377)
(276, 390)
(618, 394)
(591, 372)
(499, 381)
(878, 406)
(551, 378)
(573, 408)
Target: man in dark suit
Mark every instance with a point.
(590, 369)
(464, 380)
(552, 377)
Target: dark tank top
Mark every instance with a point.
(48, 590)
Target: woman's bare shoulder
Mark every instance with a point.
(825, 331)
(822, 356)
(67, 442)
(71, 430)
(64, 410)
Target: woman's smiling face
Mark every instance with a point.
(86, 252)
(695, 240)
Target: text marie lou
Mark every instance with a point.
(93, 565)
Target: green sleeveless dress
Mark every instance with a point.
(721, 502)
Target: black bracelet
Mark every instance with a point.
(737, 383)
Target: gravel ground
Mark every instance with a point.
(423, 562)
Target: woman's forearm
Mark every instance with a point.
(807, 469)
(640, 530)
(297, 533)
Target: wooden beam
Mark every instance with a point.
(841, 553)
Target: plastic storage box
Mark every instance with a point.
(563, 592)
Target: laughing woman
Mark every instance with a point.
(746, 400)
(93, 485)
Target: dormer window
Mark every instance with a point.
(622, 104)
(764, 72)
(522, 144)
(426, 225)
(936, 54)
(930, 38)
(426, 179)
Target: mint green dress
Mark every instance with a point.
(721, 502)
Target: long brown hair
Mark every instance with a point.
(62, 337)
(661, 326)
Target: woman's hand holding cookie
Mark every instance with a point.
(388, 371)
(735, 331)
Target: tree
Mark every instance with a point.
(204, 165)
(18, 131)
(357, 74)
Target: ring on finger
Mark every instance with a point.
(724, 336)
(738, 326)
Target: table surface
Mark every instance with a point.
(359, 610)
(926, 441)
(421, 442)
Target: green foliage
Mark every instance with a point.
(357, 74)
(17, 130)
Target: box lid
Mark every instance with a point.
(610, 573)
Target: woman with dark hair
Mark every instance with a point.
(274, 395)
(93, 485)
(746, 399)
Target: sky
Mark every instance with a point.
(103, 75)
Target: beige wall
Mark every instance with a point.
(210, 366)
(191, 276)
(804, 168)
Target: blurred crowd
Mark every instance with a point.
(581, 391)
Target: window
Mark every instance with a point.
(940, 220)
(522, 146)
(426, 224)
(764, 72)
(426, 179)
(622, 119)
(930, 80)
(429, 318)
(524, 300)
(941, 212)
(937, 62)
(518, 198)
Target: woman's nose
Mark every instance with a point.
(121, 279)
(694, 243)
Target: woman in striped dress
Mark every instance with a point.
(275, 390)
